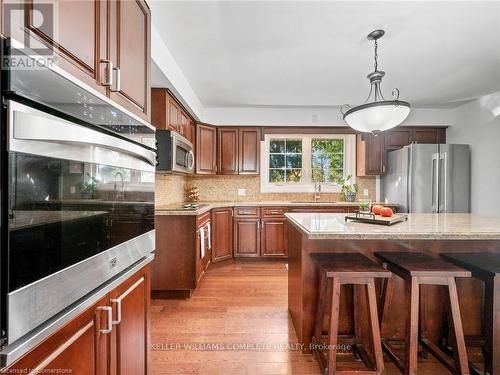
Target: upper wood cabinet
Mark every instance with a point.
(238, 150)
(206, 155)
(227, 150)
(429, 135)
(168, 113)
(130, 46)
(249, 150)
(372, 150)
(370, 155)
(97, 42)
(222, 234)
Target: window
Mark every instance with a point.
(292, 163)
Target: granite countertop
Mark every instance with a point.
(28, 219)
(173, 209)
(417, 227)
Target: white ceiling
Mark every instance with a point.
(315, 53)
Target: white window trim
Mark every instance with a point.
(307, 187)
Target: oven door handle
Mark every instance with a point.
(28, 124)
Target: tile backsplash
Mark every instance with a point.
(170, 189)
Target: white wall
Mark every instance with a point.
(478, 124)
(303, 116)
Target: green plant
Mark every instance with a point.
(88, 187)
(346, 187)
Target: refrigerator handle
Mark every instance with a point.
(435, 182)
(443, 160)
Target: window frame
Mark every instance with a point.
(307, 185)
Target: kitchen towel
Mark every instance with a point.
(202, 242)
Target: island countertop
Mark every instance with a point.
(450, 226)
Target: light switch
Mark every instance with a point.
(241, 192)
(366, 192)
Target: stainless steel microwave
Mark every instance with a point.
(174, 152)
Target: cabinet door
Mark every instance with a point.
(191, 130)
(205, 149)
(130, 36)
(398, 138)
(77, 35)
(222, 234)
(129, 345)
(249, 150)
(370, 158)
(79, 347)
(247, 237)
(274, 238)
(174, 111)
(183, 123)
(227, 151)
(429, 135)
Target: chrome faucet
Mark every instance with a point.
(122, 190)
(317, 191)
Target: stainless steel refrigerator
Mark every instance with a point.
(428, 178)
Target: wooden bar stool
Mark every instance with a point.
(341, 269)
(486, 267)
(420, 269)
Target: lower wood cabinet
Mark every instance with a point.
(130, 335)
(274, 238)
(247, 237)
(92, 343)
(222, 234)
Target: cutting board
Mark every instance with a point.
(377, 219)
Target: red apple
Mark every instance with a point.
(386, 212)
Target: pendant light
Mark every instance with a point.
(376, 114)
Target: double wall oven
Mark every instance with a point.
(77, 195)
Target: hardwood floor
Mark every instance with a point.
(236, 323)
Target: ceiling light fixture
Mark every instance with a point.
(376, 114)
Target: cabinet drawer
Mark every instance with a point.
(321, 209)
(249, 212)
(202, 219)
(273, 211)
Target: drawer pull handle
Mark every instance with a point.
(109, 312)
(118, 311)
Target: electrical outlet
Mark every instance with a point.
(72, 189)
(241, 192)
(366, 192)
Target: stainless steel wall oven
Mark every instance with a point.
(77, 195)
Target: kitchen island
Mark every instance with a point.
(432, 234)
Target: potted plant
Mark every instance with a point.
(348, 190)
(88, 188)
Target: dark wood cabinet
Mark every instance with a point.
(371, 151)
(168, 113)
(238, 150)
(274, 237)
(88, 345)
(429, 135)
(77, 35)
(105, 44)
(249, 151)
(227, 150)
(246, 237)
(398, 138)
(222, 234)
(370, 155)
(206, 155)
(129, 346)
(130, 47)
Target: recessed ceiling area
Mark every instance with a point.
(315, 53)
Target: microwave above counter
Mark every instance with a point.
(174, 153)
